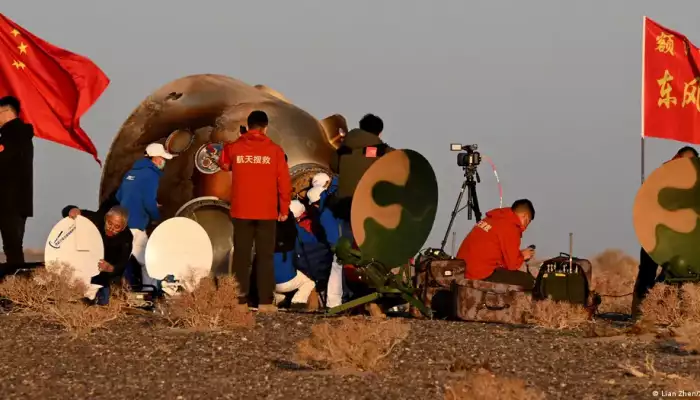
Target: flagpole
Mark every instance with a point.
(644, 35)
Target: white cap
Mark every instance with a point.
(320, 179)
(297, 208)
(157, 150)
(314, 194)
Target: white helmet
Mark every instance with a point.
(297, 208)
(314, 194)
(320, 179)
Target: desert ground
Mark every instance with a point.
(201, 347)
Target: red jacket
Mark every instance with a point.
(260, 182)
(493, 242)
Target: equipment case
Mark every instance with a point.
(486, 301)
(434, 279)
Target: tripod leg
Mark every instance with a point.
(470, 202)
(475, 202)
(454, 214)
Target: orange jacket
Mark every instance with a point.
(260, 182)
(494, 242)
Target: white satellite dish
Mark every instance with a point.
(179, 247)
(62, 247)
(83, 225)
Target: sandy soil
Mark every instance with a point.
(141, 357)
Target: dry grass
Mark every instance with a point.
(354, 343)
(557, 315)
(662, 306)
(212, 305)
(688, 335)
(690, 298)
(670, 305)
(547, 313)
(484, 385)
(668, 381)
(614, 274)
(55, 297)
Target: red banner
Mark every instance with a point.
(670, 95)
(54, 86)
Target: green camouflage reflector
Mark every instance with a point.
(394, 207)
(665, 215)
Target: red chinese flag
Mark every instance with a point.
(55, 87)
(670, 95)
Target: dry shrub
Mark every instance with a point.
(688, 335)
(557, 314)
(355, 343)
(487, 386)
(54, 296)
(614, 274)
(670, 305)
(547, 313)
(690, 299)
(212, 305)
(43, 286)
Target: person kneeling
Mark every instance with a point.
(111, 222)
(287, 278)
(492, 251)
(313, 254)
(331, 228)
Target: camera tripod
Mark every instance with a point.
(471, 178)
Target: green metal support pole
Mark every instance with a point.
(354, 303)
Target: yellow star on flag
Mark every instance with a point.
(14, 32)
(19, 65)
(22, 48)
(15, 64)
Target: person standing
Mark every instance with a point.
(16, 179)
(360, 149)
(138, 193)
(647, 275)
(261, 191)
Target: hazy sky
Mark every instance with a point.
(549, 89)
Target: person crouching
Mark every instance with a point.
(111, 221)
(332, 229)
(313, 255)
(492, 251)
(287, 278)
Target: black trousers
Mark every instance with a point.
(646, 278)
(12, 231)
(261, 234)
(518, 278)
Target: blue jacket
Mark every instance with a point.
(313, 256)
(332, 188)
(138, 192)
(331, 227)
(284, 267)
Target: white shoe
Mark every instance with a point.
(92, 290)
(169, 288)
(279, 297)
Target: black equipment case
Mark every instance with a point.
(564, 278)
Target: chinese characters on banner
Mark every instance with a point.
(252, 160)
(671, 99)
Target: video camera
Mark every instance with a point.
(471, 158)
